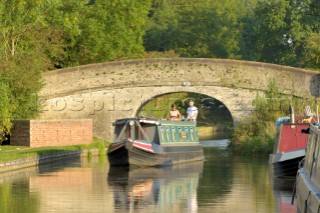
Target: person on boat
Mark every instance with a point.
(174, 113)
(192, 111)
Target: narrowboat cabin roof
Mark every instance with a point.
(154, 121)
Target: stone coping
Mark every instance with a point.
(178, 60)
(32, 162)
(54, 120)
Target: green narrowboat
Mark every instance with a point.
(147, 142)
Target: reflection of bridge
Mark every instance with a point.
(112, 90)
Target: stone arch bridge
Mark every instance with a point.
(112, 90)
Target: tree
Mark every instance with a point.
(197, 29)
(6, 110)
(26, 41)
(106, 30)
(312, 51)
(269, 32)
(283, 32)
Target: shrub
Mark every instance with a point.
(255, 134)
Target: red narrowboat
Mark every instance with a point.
(289, 149)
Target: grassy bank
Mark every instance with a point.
(11, 153)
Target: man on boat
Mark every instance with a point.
(192, 111)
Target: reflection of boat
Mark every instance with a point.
(283, 201)
(290, 144)
(145, 142)
(308, 177)
(282, 193)
(165, 189)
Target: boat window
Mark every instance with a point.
(128, 133)
(183, 134)
(163, 134)
(169, 138)
(118, 131)
(180, 133)
(186, 133)
(177, 133)
(174, 133)
(139, 135)
(192, 134)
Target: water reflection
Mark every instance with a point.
(222, 183)
(217, 179)
(80, 187)
(283, 193)
(15, 197)
(168, 189)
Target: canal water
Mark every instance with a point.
(221, 183)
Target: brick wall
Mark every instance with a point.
(20, 133)
(39, 133)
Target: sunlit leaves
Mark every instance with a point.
(312, 50)
(6, 109)
(204, 28)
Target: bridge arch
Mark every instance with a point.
(214, 117)
(234, 118)
(112, 90)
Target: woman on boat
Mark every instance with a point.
(174, 113)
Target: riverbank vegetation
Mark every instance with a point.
(256, 133)
(11, 153)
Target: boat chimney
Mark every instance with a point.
(291, 111)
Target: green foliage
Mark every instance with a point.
(102, 30)
(23, 56)
(24, 81)
(274, 31)
(167, 54)
(6, 110)
(312, 51)
(69, 33)
(159, 107)
(283, 32)
(255, 134)
(195, 29)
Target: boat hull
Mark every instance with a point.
(308, 194)
(134, 154)
(285, 165)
